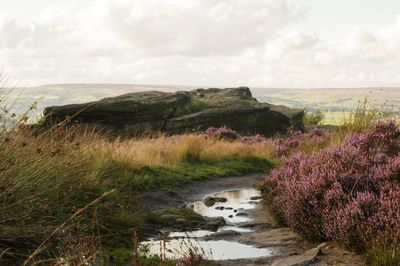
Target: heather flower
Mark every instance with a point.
(317, 132)
(251, 140)
(222, 133)
(349, 193)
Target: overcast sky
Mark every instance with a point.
(268, 43)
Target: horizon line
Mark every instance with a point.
(199, 86)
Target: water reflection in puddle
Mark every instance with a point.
(212, 250)
(203, 233)
(237, 202)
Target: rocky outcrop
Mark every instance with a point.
(140, 113)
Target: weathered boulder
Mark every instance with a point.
(141, 113)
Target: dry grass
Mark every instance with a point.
(167, 151)
(43, 178)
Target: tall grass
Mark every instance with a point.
(167, 151)
(43, 179)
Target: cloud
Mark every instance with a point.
(361, 57)
(207, 42)
(200, 28)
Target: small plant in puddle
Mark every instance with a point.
(190, 254)
(191, 259)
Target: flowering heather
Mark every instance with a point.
(251, 140)
(222, 133)
(297, 141)
(280, 146)
(349, 193)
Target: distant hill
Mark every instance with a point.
(332, 100)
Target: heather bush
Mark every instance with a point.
(296, 141)
(281, 145)
(222, 133)
(349, 193)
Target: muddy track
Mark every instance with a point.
(291, 246)
(182, 195)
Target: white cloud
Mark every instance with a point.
(201, 28)
(207, 42)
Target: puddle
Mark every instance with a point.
(212, 250)
(239, 202)
(203, 233)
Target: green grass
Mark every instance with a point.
(378, 256)
(131, 182)
(168, 177)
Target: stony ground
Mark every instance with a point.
(293, 249)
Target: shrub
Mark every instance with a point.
(222, 133)
(349, 193)
(313, 118)
(296, 141)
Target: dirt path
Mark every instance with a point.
(184, 194)
(291, 246)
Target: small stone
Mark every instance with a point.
(222, 234)
(210, 201)
(230, 216)
(241, 214)
(235, 210)
(252, 225)
(220, 208)
(256, 198)
(215, 223)
(220, 199)
(228, 208)
(305, 259)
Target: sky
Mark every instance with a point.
(256, 43)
